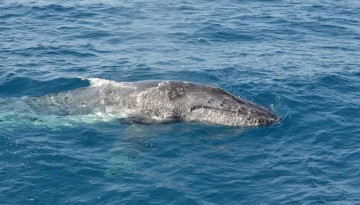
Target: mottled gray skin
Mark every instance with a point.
(159, 101)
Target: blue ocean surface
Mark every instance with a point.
(299, 58)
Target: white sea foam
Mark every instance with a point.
(98, 82)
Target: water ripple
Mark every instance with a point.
(297, 58)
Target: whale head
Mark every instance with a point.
(213, 105)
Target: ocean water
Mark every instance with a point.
(299, 58)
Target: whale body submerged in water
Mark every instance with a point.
(154, 101)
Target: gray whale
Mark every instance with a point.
(154, 101)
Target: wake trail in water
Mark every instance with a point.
(60, 110)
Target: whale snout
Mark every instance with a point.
(262, 116)
(268, 120)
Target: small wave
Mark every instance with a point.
(19, 86)
(98, 82)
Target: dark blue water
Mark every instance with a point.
(299, 58)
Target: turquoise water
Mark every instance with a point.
(300, 59)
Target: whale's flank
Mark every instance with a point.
(155, 101)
